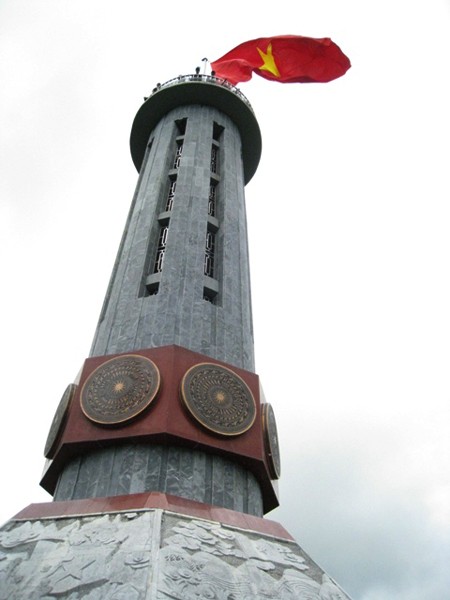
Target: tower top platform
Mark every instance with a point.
(198, 89)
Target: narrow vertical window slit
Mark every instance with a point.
(171, 195)
(214, 159)
(178, 153)
(161, 249)
(212, 207)
(209, 254)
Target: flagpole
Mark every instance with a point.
(204, 61)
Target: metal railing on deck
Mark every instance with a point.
(201, 78)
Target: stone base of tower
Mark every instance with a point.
(153, 546)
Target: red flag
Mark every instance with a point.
(284, 58)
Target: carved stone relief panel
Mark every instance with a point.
(203, 560)
(92, 558)
(153, 555)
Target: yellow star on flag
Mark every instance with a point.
(269, 63)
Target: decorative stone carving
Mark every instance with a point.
(218, 399)
(153, 555)
(92, 557)
(120, 389)
(205, 560)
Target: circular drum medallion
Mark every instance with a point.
(120, 389)
(59, 420)
(218, 399)
(271, 440)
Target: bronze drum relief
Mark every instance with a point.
(120, 389)
(271, 444)
(218, 399)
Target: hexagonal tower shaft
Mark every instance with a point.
(182, 272)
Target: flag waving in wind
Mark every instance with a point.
(284, 58)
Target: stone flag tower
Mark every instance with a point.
(163, 454)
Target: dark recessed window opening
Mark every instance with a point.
(171, 194)
(212, 200)
(209, 254)
(214, 159)
(161, 250)
(181, 125)
(178, 153)
(217, 131)
(209, 295)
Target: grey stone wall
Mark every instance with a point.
(178, 313)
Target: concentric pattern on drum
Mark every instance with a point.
(59, 421)
(218, 399)
(271, 440)
(120, 389)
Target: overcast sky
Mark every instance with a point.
(349, 227)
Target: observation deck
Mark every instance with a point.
(198, 89)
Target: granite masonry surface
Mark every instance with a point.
(135, 468)
(178, 314)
